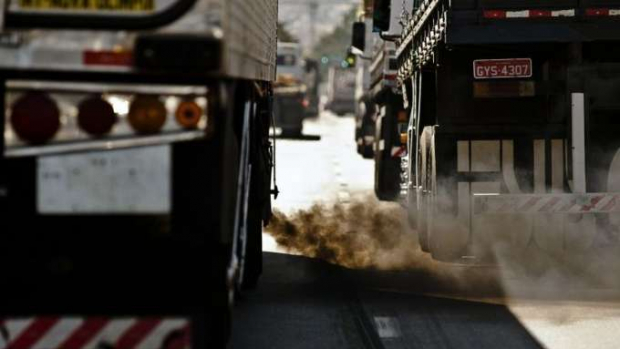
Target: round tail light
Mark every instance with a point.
(188, 114)
(147, 114)
(96, 116)
(35, 118)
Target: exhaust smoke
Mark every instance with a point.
(375, 239)
(363, 234)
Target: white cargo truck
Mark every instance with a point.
(135, 174)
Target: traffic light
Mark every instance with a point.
(351, 60)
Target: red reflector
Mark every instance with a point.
(96, 116)
(540, 13)
(390, 77)
(114, 58)
(494, 14)
(35, 118)
(596, 12)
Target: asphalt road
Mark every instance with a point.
(307, 303)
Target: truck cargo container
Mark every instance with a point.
(135, 168)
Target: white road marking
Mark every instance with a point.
(344, 197)
(387, 327)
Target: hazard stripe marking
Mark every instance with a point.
(611, 204)
(136, 333)
(181, 342)
(547, 203)
(35, 331)
(52, 332)
(12, 329)
(84, 333)
(110, 333)
(529, 204)
(58, 333)
(593, 202)
(156, 338)
(548, 206)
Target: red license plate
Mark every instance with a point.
(511, 68)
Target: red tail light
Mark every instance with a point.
(35, 118)
(96, 116)
(147, 114)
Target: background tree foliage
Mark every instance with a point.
(284, 35)
(337, 42)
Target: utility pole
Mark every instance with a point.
(314, 10)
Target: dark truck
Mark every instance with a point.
(341, 90)
(513, 132)
(389, 117)
(290, 91)
(135, 169)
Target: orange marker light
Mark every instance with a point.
(147, 114)
(404, 138)
(35, 118)
(188, 114)
(96, 116)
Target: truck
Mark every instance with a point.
(290, 91)
(512, 143)
(312, 80)
(381, 127)
(340, 90)
(365, 108)
(135, 169)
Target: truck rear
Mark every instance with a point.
(513, 135)
(135, 169)
(290, 93)
(341, 90)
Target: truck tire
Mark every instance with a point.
(387, 168)
(422, 213)
(294, 132)
(441, 240)
(367, 128)
(254, 252)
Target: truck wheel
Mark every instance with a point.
(254, 251)
(423, 211)
(387, 168)
(292, 132)
(440, 238)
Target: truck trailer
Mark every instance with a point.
(135, 169)
(385, 115)
(513, 139)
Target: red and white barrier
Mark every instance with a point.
(538, 13)
(399, 152)
(499, 14)
(549, 203)
(93, 333)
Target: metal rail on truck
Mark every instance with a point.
(501, 22)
